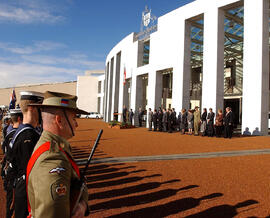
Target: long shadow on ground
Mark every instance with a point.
(167, 209)
(139, 199)
(129, 190)
(121, 181)
(224, 210)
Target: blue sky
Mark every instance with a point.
(44, 41)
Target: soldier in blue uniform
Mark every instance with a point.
(16, 119)
(22, 145)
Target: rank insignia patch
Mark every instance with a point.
(61, 190)
(57, 170)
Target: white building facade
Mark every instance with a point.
(90, 91)
(209, 53)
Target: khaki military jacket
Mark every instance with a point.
(50, 180)
(197, 116)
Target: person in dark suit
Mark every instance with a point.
(183, 123)
(174, 119)
(124, 113)
(179, 121)
(150, 119)
(210, 123)
(219, 123)
(160, 117)
(165, 120)
(130, 116)
(228, 123)
(170, 120)
(140, 117)
(155, 118)
(190, 121)
(204, 122)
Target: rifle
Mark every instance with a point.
(78, 186)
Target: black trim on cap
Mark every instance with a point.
(15, 113)
(31, 98)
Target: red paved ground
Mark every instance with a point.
(139, 141)
(143, 191)
(216, 187)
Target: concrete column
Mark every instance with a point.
(101, 105)
(116, 82)
(213, 59)
(256, 67)
(121, 90)
(107, 91)
(125, 99)
(157, 90)
(138, 102)
(140, 54)
(139, 90)
(181, 73)
(110, 93)
(115, 86)
(154, 84)
(133, 91)
(102, 98)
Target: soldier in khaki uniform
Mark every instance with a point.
(197, 119)
(51, 171)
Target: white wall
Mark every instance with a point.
(87, 90)
(101, 94)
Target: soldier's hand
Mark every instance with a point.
(79, 210)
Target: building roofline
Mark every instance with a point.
(38, 84)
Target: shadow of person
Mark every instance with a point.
(103, 166)
(110, 176)
(247, 132)
(108, 170)
(256, 132)
(120, 181)
(142, 199)
(224, 210)
(167, 209)
(129, 190)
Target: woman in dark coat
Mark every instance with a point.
(219, 123)
(210, 123)
(155, 119)
(159, 119)
(190, 121)
(204, 122)
(170, 120)
(183, 123)
(179, 121)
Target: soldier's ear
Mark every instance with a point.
(59, 121)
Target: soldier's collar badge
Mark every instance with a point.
(57, 170)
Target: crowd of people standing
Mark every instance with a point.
(189, 122)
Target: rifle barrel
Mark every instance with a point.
(92, 152)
